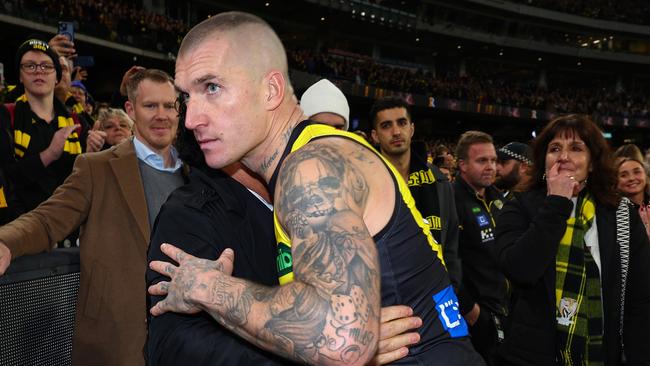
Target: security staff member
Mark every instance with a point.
(513, 164)
(483, 294)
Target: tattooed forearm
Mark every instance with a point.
(236, 302)
(330, 313)
(297, 321)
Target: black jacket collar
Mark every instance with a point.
(491, 193)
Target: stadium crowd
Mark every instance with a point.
(125, 23)
(266, 236)
(481, 84)
(634, 11)
(116, 21)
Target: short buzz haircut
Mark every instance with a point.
(468, 139)
(155, 75)
(219, 23)
(382, 104)
(231, 21)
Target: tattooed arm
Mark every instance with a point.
(330, 313)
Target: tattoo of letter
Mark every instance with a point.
(266, 164)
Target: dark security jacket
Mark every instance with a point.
(483, 282)
(209, 214)
(529, 230)
(434, 198)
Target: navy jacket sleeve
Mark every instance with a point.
(179, 339)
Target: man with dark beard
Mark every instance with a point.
(513, 162)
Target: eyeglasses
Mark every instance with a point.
(31, 68)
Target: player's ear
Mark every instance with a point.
(274, 89)
(373, 134)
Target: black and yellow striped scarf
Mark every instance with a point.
(578, 292)
(22, 126)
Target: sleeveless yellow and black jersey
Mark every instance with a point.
(412, 268)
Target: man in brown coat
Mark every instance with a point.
(114, 195)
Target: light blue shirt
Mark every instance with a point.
(156, 161)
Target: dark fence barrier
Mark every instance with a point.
(38, 296)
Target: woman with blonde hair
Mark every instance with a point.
(116, 124)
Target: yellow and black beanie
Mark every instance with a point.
(42, 46)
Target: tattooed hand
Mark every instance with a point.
(190, 280)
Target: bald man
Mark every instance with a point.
(338, 205)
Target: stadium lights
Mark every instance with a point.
(322, 19)
(597, 41)
(267, 4)
(585, 44)
(417, 39)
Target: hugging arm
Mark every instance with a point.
(330, 313)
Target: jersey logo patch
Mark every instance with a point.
(284, 260)
(421, 177)
(482, 220)
(487, 235)
(433, 222)
(448, 312)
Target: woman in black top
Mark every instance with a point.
(557, 243)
